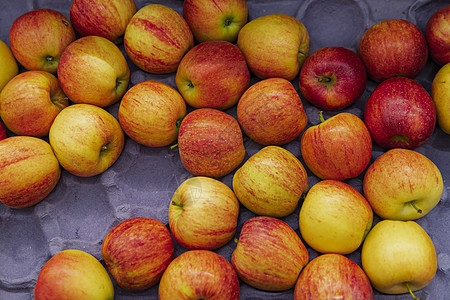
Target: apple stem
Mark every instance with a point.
(176, 204)
(65, 23)
(236, 240)
(419, 211)
(411, 292)
(303, 52)
(324, 79)
(173, 146)
(321, 116)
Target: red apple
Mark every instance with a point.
(437, 34)
(332, 78)
(391, 48)
(3, 134)
(400, 114)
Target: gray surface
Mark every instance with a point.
(80, 211)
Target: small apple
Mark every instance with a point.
(337, 148)
(199, 274)
(93, 70)
(400, 114)
(9, 65)
(269, 254)
(402, 184)
(73, 274)
(156, 39)
(86, 139)
(271, 112)
(39, 37)
(437, 34)
(274, 45)
(213, 74)
(151, 112)
(30, 102)
(440, 93)
(393, 47)
(137, 251)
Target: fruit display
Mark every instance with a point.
(227, 149)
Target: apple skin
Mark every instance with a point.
(400, 114)
(269, 254)
(391, 48)
(199, 274)
(3, 134)
(156, 39)
(151, 112)
(29, 171)
(9, 65)
(400, 182)
(73, 274)
(271, 182)
(86, 139)
(440, 93)
(333, 276)
(30, 102)
(334, 217)
(39, 37)
(274, 45)
(213, 74)
(93, 70)
(271, 112)
(215, 20)
(203, 213)
(437, 34)
(396, 253)
(332, 78)
(210, 143)
(339, 148)
(105, 18)
(137, 251)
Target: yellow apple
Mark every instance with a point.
(440, 92)
(9, 65)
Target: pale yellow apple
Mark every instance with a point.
(440, 92)
(9, 65)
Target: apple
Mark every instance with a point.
(93, 70)
(437, 34)
(3, 134)
(271, 182)
(215, 20)
(199, 274)
(29, 171)
(156, 39)
(39, 37)
(30, 102)
(137, 251)
(151, 112)
(393, 47)
(333, 276)
(105, 18)
(271, 112)
(9, 65)
(400, 114)
(402, 184)
(213, 74)
(398, 257)
(73, 274)
(203, 213)
(338, 148)
(210, 143)
(86, 139)
(274, 45)
(332, 78)
(440, 93)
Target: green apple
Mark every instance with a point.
(9, 65)
(440, 93)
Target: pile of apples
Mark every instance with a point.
(75, 70)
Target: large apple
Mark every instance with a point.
(337, 148)
(29, 171)
(156, 39)
(199, 274)
(73, 274)
(137, 251)
(440, 93)
(210, 143)
(30, 102)
(332, 78)
(9, 65)
(274, 45)
(39, 37)
(400, 114)
(402, 184)
(271, 182)
(203, 213)
(213, 74)
(271, 112)
(93, 70)
(398, 257)
(269, 254)
(215, 20)
(393, 47)
(437, 34)
(151, 112)
(86, 139)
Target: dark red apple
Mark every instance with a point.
(437, 33)
(2, 131)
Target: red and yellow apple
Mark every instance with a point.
(437, 34)
(9, 65)
(440, 93)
